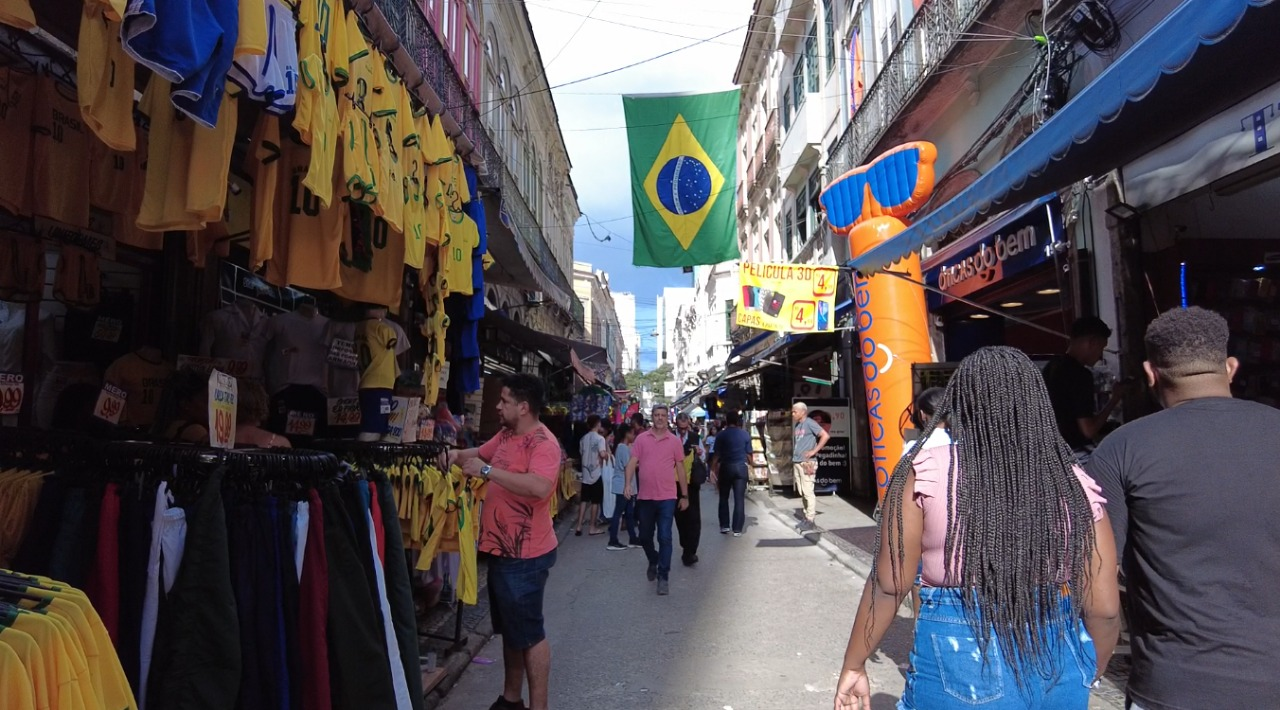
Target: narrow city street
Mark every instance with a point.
(760, 622)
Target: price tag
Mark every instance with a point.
(344, 411)
(426, 425)
(222, 410)
(411, 421)
(110, 403)
(300, 424)
(399, 407)
(342, 353)
(444, 375)
(11, 393)
(107, 329)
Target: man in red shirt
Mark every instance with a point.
(658, 456)
(522, 466)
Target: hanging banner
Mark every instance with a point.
(787, 297)
(222, 410)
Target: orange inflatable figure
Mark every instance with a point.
(869, 205)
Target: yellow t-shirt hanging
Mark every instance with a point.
(265, 168)
(372, 260)
(360, 158)
(455, 255)
(251, 36)
(59, 181)
(306, 236)
(391, 129)
(377, 344)
(17, 92)
(164, 198)
(17, 13)
(104, 79)
(322, 65)
(211, 163)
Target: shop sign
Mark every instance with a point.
(411, 417)
(344, 411)
(100, 244)
(12, 389)
(833, 461)
(107, 329)
(1010, 245)
(300, 423)
(110, 403)
(235, 368)
(787, 297)
(222, 410)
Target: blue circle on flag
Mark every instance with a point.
(684, 185)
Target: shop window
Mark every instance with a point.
(786, 110)
(815, 207)
(446, 21)
(788, 230)
(811, 58)
(797, 84)
(829, 34)
(801, 212)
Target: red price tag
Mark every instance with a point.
(300, 424)
(12, 389)
(110, 403)
(344, 411)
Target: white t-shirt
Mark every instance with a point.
(590, 447)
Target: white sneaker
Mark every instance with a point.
(724, 531)
(737, 534)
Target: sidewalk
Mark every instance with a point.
(847, 532)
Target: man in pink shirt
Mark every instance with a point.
(522, 466)
(658, 456)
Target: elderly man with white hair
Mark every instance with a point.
(809, 438)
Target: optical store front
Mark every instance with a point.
(1015, 265)
(1207, 207)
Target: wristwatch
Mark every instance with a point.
(484, 471)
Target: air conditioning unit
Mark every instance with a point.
(533, 298)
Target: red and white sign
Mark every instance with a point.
(110, 403)
(12, 389)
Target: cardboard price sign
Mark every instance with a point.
(344, 411)
(107, 329)
(410, 434)
(300, 424)
(110, 403)
(342, 353)
(12, 389)
(222, 410)
(396, 418)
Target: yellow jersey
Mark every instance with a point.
(322, 65)
(142, 380)
(17, 99)
(111, 176)
(22, 267)
(125, 225)
(77, 280)
(376, 342)
(455, 256)
(164, 197)
(16, 689)
(360, 156)
(104, 79)
(372, 260)
(251, 36)
(17, 13)
(59, 181)
(389, 127)
(265, 167)
(211, 163)
(307, 236)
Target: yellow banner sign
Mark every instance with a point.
(787, 297)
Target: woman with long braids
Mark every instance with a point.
(1020, 606)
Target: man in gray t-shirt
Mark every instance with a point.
(808, 439)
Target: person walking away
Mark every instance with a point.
(1196, 511)
(922, 410)
(657, 458)
(733, 446)
(594, 453)
(808, 439)
(624, 506)
(1071, 387)
(1020, 603)
(694, 469)
(522, 466)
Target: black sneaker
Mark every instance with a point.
(690, 560)
(652, 574)
(503, 704)
(615, 546)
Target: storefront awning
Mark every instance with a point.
(514, 263)
(1203, 57)
(563, 351)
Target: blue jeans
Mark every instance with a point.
(733, 479)
(624, 506)
(660, 514)
(949, 669)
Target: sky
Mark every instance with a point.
(581, 38)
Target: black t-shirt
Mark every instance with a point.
(1070, 387)
(1193, 494)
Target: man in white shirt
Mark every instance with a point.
(594, 452)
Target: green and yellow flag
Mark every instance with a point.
(684, 174)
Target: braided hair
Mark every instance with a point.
(1019, 526)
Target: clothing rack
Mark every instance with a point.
(378, 451)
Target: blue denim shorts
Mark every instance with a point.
(516, 589)
(950, 670)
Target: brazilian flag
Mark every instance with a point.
(684, 176)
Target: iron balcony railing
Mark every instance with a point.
(415, 32)
(932, 34)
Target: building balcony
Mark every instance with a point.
(802, 143)
(909, 85)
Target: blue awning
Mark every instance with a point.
(1202, 58)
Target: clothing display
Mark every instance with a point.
(236, 332)
(192, 556)
(142, 375)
